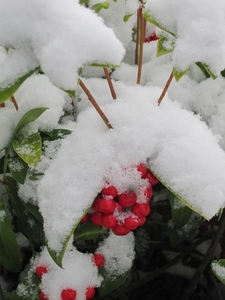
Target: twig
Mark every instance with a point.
(95, 104)
(137, 38)
(142, 25)
(165, 88)
(13, 99)
(205, 260)
(113, 93)
(2, 104)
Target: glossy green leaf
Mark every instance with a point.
(109, 283)
(10, 255)
(98, 6)
(12, 191)
(71, 93)
(18, 168)
(30, 116)
(176, 236)
(147, 15)
(84, 2)
(218, 268)
(87, 231)
(29, 148)
(205, 70)
(161, 48)
(6, 93)
(178, 74)
(180, 212)
(30, 285)
(34, 210)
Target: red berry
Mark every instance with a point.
(109, 190)
(151, 178)
(96, 218)
(43, 296)
(98, 259)
(106, 205)
(90, 291)
(222, 254)
(147, 40)
(141, 209)
(127, 199)
(85, 218)
(119, 229)
(142, 169)
(131, 223)
(154, 37)
(109, 220)
(118, 207)
(141, 221)
(40, 271)
(148, 193)
(95, 203)
(68, 294)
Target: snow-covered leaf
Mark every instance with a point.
(218, 268)
(101, 5)
(87, 231)
(18, 168)
(28, 148)
(161, 49)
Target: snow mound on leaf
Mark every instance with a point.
(61, 36)
(177, 146)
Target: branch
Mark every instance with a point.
(113, 93)
(165, 88)
(95, 104)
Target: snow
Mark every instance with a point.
(52, 33)
(182, 141)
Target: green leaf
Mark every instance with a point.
(28, 148)
(10, 255)
(34, 210)
(205, 70)
(56, 134)
(176, 236)
(127, 17)
(109, 283)
(218, 268)
(30, 116)
(180, 212)
(12, 191)
(98, 6)
(18, 168)
(178, 74)
(104, 65)
(6, 93)
(146, 14)
(71, 93)
(29, 287)
(87, 231)
(161, 49)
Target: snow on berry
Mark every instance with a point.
(41, 270)
(118, 252)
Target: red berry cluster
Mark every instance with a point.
(69, 293)
(151, 38)
(122, 212)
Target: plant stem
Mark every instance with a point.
(137, 38)
(142, 24)
(13, 99)
(205, 260)
(2, 104)
(165, 88)
(113, 93)
(95, 104)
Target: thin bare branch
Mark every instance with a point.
(111, 87)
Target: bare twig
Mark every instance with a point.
(113, 93)
(95, 104)
(13, 99)
(2, 104)
(142, 24)
(165, 88)
(137, 38)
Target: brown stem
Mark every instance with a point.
(141, 43)
(2, 104)
(208, 256)
(165, 88)
(13, 99)
(113, 93)
(95, 104)
(137, 37)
